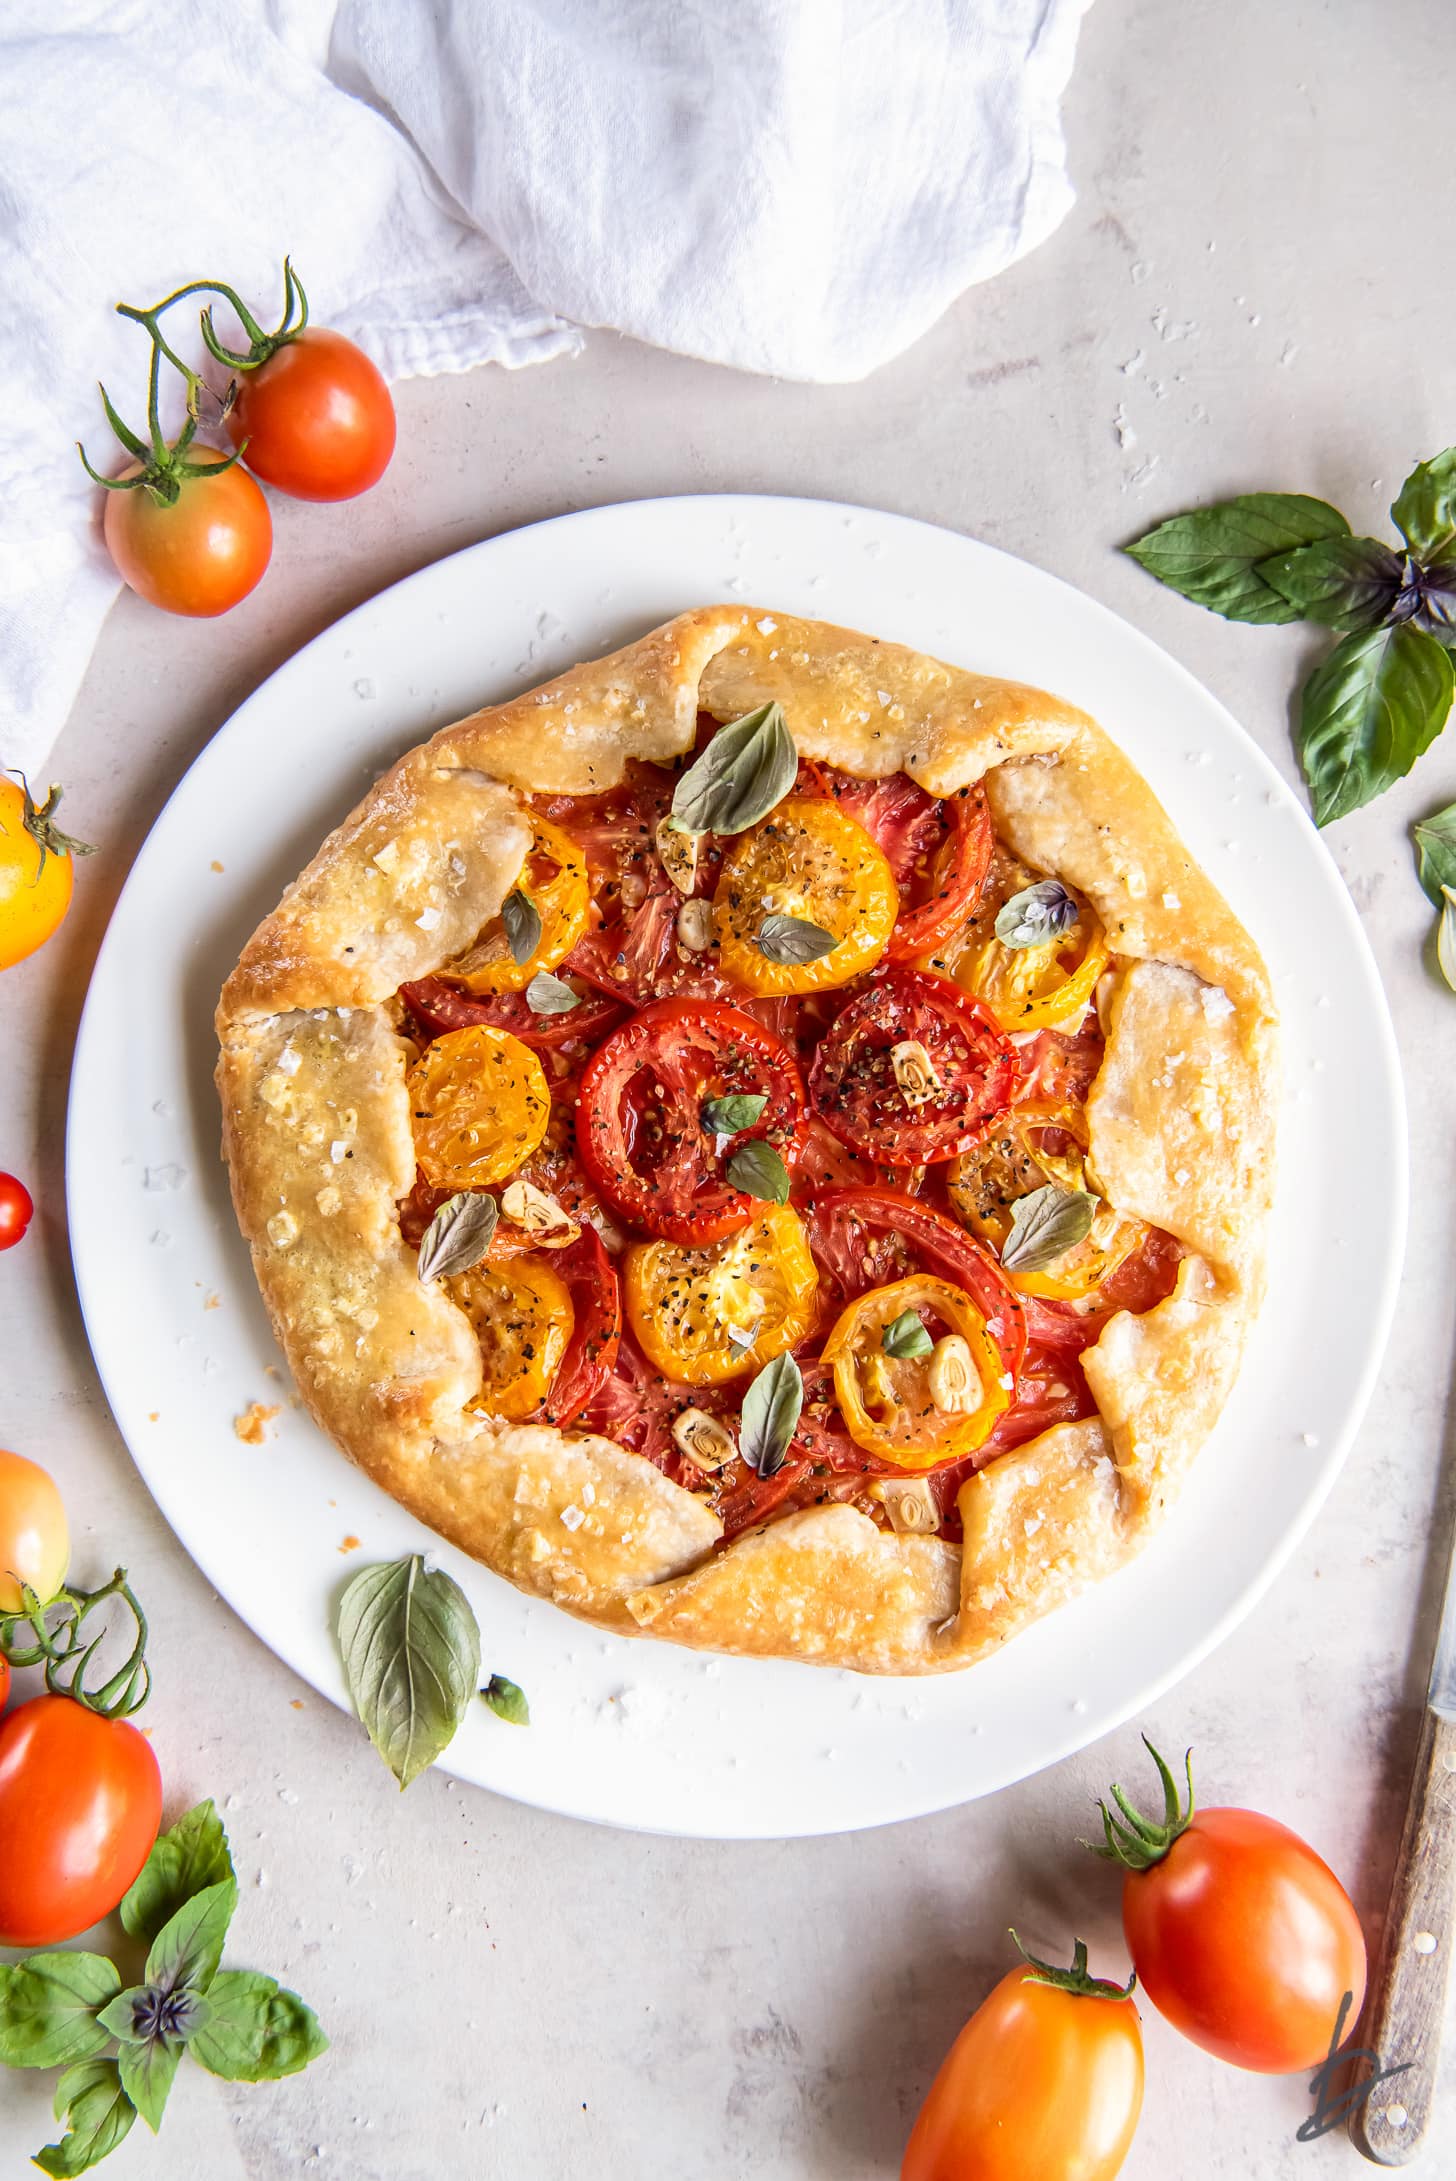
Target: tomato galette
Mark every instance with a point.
(766, 1142)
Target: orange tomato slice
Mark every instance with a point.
(917, 1411)
(808, 859)
(684, 1304)
(555, 881)
(523, 1317)
(1026, 988)
(1020, 1150)
(480, 1104)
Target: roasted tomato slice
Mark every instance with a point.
(640, 1125)
(438, 1007)
(1032, 1143)
(1026, 988)
(480, 1104)
(524, 1318)
(866, 1238)
(939, 851)
(554, 880)
(910, 1070)
(917, 1410)
(722, 1311)
(591, 1351)
(810, 861)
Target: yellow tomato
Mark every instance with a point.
(37, 871)
(683, 1303)
(808, 860)
(480, 1105)
(554, 880)
(1026, 988)
(917, 1411)
(35, 1546)
(1023, 1149)
(523, 1317)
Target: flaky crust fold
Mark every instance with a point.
(316, 1134)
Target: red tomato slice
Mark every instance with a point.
(939, 852)
(592, 1349)
(1056, 1067)
(439, 1007)
(639, 1120)
(853, 1083)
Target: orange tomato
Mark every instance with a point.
(523, 1316)
(810, 860)
(37, 870)
(35, 1544)
(480, 1104)
(917, 1410)
(1030, 1144)
(684, 1303)
(199, 555)
(555, 881)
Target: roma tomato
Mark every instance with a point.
(199, 555)
(317, 417)
(16, 1208)
(1044, 2083)
(80, 1803)
(37, 872)
(35, 1545)
(1241, 1936)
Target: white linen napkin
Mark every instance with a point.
(789, 186)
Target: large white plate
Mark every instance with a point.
(643, 1734)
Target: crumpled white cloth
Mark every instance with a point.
(789, 186)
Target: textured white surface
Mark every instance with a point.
(522, 1998)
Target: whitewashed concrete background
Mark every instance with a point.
(1264, 218)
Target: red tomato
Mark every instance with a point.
(317, 418)
(200, 555)
(640, 1129)
(592, 1349)
(1043, 2084)
(867, 1238)
(1240, 1935)
(939, 852)
(80, 1803)
(4, 1683)
(854, 1083)
(15, 1210)
(439, 1007)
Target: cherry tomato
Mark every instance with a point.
(554, 880)
(1043, 2084)
(910, 1070)
(16, 1208)
(37, 870)
(438, 1007)
(1034, 1142)
(35, 1544)
(203, 553)
(810, 861)
(317, 418)
(1240, 1935)
(917, 1411)
(685, 1305)
(939, 852)
(80, 1803)
(480, 1106)
(641, 1131)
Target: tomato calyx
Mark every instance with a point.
(39, 821)
(165, 467)
(1136, 1842)
(261, 345)
(1074, 1980)
(67, 1653)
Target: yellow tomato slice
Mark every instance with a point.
(1026, 988)
(917, 1411)
(683, 1303)
(523, 1317)
(554, 879)
(480, 1105)
(1023, 1149)
(808, 859)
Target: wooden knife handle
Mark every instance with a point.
(1407, 1993)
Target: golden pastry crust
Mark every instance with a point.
(316, 1133)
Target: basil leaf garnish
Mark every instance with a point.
(1045, 1225)
(1212, 556)
(48, 2008)
(1037, 914)
(1446, 936)
(411, 1652)
(770, 1416)
(1425, 507)
(1345, 583)
(185, 1860)
(1367, 713)
(548, 995)
(758, 1171)
(458, 1236)
(98, 2114)
(726, 1116)
(507, 1701)
(905, 1337)
(1435, 839)
(793, 939)
(748, 767)
(522, 920)
(255, 2031)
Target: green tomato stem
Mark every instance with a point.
(1074, 1980)
(1138, 1842)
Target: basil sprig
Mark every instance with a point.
(1037, 914)
(121, 2048)
(458, 1236)
(758, 1171)
(793, 939)
(411, 1652)
(726, 1116)
(1044, 1226)
(771, 1410)
(1384, 693)
(507, 1701)
(905, 1337)
(522, 920)
(748, 767)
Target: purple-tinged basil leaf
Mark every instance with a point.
(1435, 600)
(1367, 714)
(1212, 556)
(1425, 508)
(1345, 583)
